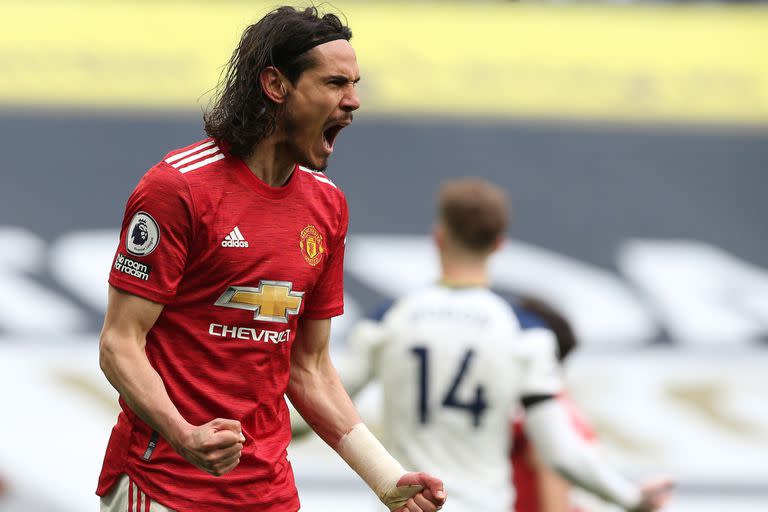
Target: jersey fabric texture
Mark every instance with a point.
(453, 363)
(236, 263)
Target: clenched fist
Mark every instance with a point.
(214, 447)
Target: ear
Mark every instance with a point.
(273, 84)
(438, 232)
(499, 242)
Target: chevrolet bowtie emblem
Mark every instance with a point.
(272, 301)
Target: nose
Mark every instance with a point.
(351, 101)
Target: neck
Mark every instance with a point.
(271, 162)
(464, 271)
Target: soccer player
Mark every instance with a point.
(227, 273)
(453, 362)
(537, 487)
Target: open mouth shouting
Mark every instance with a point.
(331, 132)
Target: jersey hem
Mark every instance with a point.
(286, 503)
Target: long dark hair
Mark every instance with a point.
(566, 338)
(241, 114)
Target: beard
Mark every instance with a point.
(292, 130)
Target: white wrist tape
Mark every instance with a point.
(366, 455)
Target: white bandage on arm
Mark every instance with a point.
(559, 446)
(366, 455)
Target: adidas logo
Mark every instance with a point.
(234, 239)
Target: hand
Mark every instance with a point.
(420, 492)
(655, 494)
(214, 447)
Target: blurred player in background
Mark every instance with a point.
(228, 271)
(538, 488)
(453, 363)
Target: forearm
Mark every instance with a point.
(127, 368)
(317, 393)
(553, 491)
(315, 389)
(560, 448)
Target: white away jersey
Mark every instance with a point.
(452, 364)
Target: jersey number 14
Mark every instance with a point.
(474, 407)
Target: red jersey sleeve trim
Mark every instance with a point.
(325, 313)
(141, 291)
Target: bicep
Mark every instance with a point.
(128, 316)
(312, 339)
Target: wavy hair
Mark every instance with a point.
(241, 114)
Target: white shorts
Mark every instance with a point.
(127, 497)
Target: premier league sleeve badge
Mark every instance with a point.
(143, 235)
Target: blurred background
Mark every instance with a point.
(632, 138)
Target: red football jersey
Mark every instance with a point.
(235, 262)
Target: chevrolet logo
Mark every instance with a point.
(272, 301)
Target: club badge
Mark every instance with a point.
(311, 244)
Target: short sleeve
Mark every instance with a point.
(541, 372)
(155, 237)
(327, 298)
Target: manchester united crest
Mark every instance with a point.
(311, 243)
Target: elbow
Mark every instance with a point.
(107, 351)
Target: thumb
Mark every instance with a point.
(433, 484)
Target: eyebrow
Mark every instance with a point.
(342, 78)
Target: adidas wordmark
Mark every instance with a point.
(234, 239)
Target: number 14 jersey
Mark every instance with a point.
(453, 364)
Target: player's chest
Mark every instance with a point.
(257, 239)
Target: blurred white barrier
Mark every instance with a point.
(702, 294)
(693, 293)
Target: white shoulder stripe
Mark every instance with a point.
(307, 169)
(196, 156)
(318, 176)
(201, 163)
(188, 152)
(325, 180)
